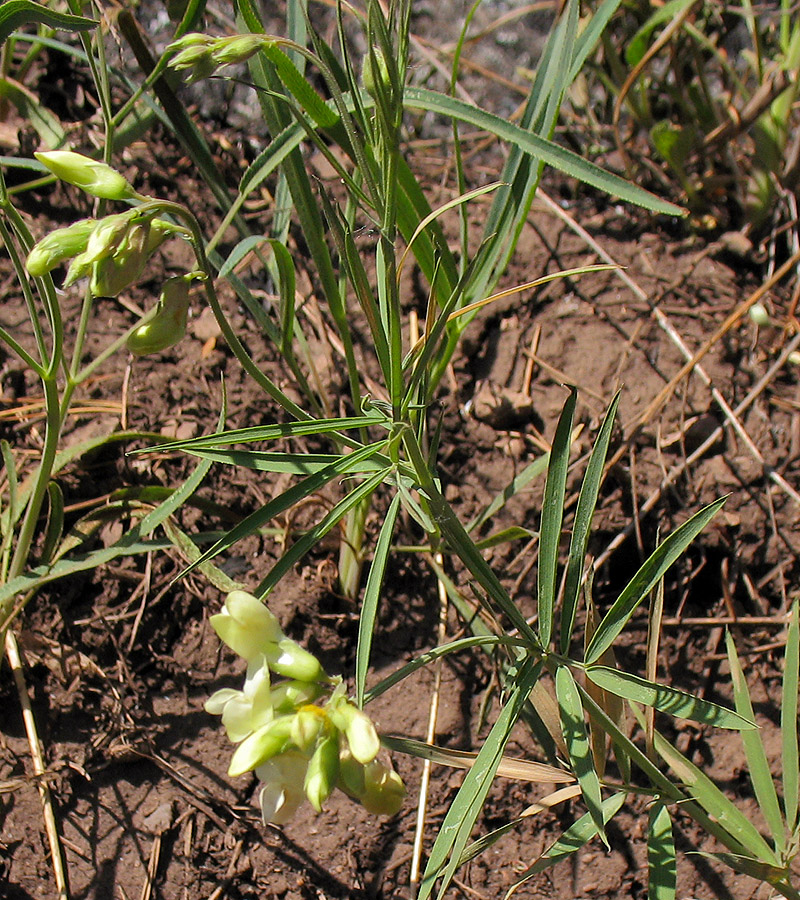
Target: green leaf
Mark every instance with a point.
(575, 837)
(525, 477)
(550, 153)
(372, 593)
(667, 699)
(637, 46)
(269, 433)
(757, 763)
(552, 515)
(645, 579)
(576, 738)
(18, 13)
(715, 803)
(581, 527)
(55, 521)
(466, 807)
(661, 863)
(293, 463)
(269, 159)
(789, 755)
(46, 125)
(512, 533)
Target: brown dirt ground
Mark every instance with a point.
(119, 662)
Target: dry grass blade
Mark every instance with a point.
(51, 827)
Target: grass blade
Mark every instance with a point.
(465, 808)
(552, 515)
(576, 738)
(760, 775)
(369, 606)
(645, 579)
(661, 863)
(789, 720)
(668, 699)
(581, 527)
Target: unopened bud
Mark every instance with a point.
(293, 661)
(358, 728)
(59, 245)
(168, 325)
(375, 72)
(246, 625)
(322, 772)
(93, 177)
(759, 315)
(264, 743)
(307, 726)
(237, 49)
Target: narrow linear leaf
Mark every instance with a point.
(548, 152)
(576, 738)
(293, 463)
(525, 477)
(466, 807)
(17, 13)
(552, 516)
(757, 763)
(715, 803)
(575, 837)
(645, 579)
(55, 521)
(789, 752)
(661, 863)
(667, 699)
(372, 593)
(581, 527)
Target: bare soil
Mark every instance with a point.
(119, 661)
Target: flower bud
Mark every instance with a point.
(168, 325)
(759, 315)
(307, 726)
(246, 625)
(264, 743)
(375, 72)
(290, 695)
(237, 49)
(93, 177)
(292, 661)
(58, 246)
(358, 728)
(322, 772)
(112, 274)
(384, 791)
(193, 51)
(108, 236)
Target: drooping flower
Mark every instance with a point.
(247, 626)
(59, 246)
(247, 710)
(282, 794)
(93, 177)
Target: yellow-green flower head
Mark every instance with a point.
(108, 236)
(270, 740)
(168, 325)
(247, 626)
(193, 52)
(245, 711)
(323, 771)
(283, 793)
(59, 246)
(93, 177)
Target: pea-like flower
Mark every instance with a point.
(168, 325)
(283, 793)
(59, 246)
(247, 710)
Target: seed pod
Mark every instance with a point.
(59, 245)
(168, 325)
(93, 177)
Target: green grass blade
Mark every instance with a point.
(282, 502)
(466, 807)
(550, 153)
(757, 763)
(55, 521)
(552, 516)
(715, 803)
(591, 34)
(372, 593)
(315, 534)
(789, 755)
(575, 837)
(268, 433)
(292, 463)
(661, 863)
(18, 13)
(668, 699)
(645, 579)
(576, 737)
(581, 528)
(525, 477)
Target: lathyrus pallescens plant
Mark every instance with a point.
(113, 251)
(299, 748)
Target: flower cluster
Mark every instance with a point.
(298, 748)
(201, 55)
(113, 252)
